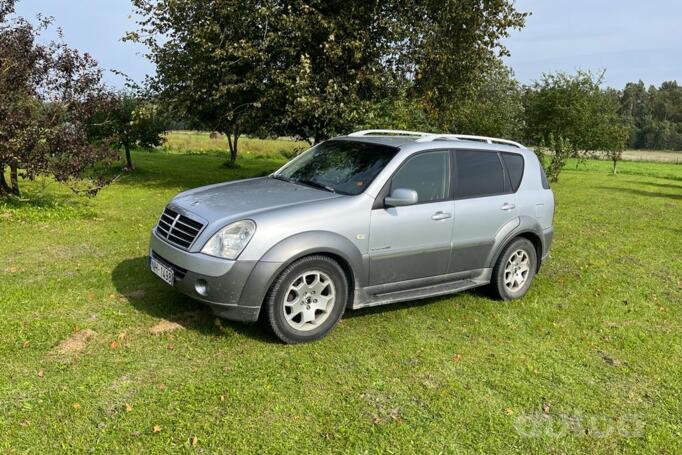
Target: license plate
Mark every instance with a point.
(163, 272)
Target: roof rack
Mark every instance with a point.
(429, 137)
(389, 133)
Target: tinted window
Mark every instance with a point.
(346, 167)
(514, 163)
(543, 176)
(428, 174)
(479, 173)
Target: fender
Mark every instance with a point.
(288, 250)
(525, 224)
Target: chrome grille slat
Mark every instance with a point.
(178, 229)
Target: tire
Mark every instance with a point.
(509, 280)
(307, 299)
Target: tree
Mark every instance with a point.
(211, 58)
(316, 68)
(129, 121)
(574, 111)
(48, 92)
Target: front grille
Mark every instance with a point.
(178, 229)
(179, 272)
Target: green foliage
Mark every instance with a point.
(129, 121)
(573, 115)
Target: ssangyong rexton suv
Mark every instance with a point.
(367, 219)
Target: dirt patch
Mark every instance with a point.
(75, 343)
(165, 326)
(178, 322)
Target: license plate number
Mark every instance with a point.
(163, 272)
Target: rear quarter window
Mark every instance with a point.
(514, 163)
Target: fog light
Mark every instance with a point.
(201, 287)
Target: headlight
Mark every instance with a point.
(231, 240)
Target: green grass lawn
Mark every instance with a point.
(100, 356)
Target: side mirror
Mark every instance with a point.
(400, 197)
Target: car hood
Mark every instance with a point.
(244, 198)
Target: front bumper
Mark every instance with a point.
(232, 289)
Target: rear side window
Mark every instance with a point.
(428, 174)
(543, 176)
(479, 173)
(514, 163)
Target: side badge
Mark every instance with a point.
(360, 236)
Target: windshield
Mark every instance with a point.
(345, 167)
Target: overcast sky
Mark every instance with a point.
(632, 39)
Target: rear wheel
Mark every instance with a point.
(307, 299)
(514, 270)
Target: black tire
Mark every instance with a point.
(274, 301)
(497, 283)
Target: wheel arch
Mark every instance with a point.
(527, 228)
(298, 246)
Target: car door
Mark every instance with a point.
(413, 241)
(484, 205)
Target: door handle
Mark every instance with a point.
(441, 216)
(507, 207)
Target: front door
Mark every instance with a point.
(414, 241)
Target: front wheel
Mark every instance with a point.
(307, 299)
(514, 270)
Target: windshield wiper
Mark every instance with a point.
(316, 185)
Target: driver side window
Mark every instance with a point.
(428, 174)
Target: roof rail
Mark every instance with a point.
(389, 133)
(428, 137)
(468, 137)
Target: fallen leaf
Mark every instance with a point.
(76, 406)
(193, 440)
(457, 357)
(222, 397)
(156, 429)
(24, 344)
(41, 374)
(121, 335)
(113, 345)
(162, 386)
(128, 408)
(509, 411)
(545, 407)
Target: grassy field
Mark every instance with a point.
(100, 356)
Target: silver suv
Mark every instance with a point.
(375, 217)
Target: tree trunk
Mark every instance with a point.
(129, 160)
(233, 152)
(615, 162)
(4, 187)
(232, 141)
(14, 179)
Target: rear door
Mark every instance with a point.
(414, 241)
(484, 203)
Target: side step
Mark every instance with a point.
(415, 294)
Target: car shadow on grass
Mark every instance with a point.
(145, 292)
(638, 192)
